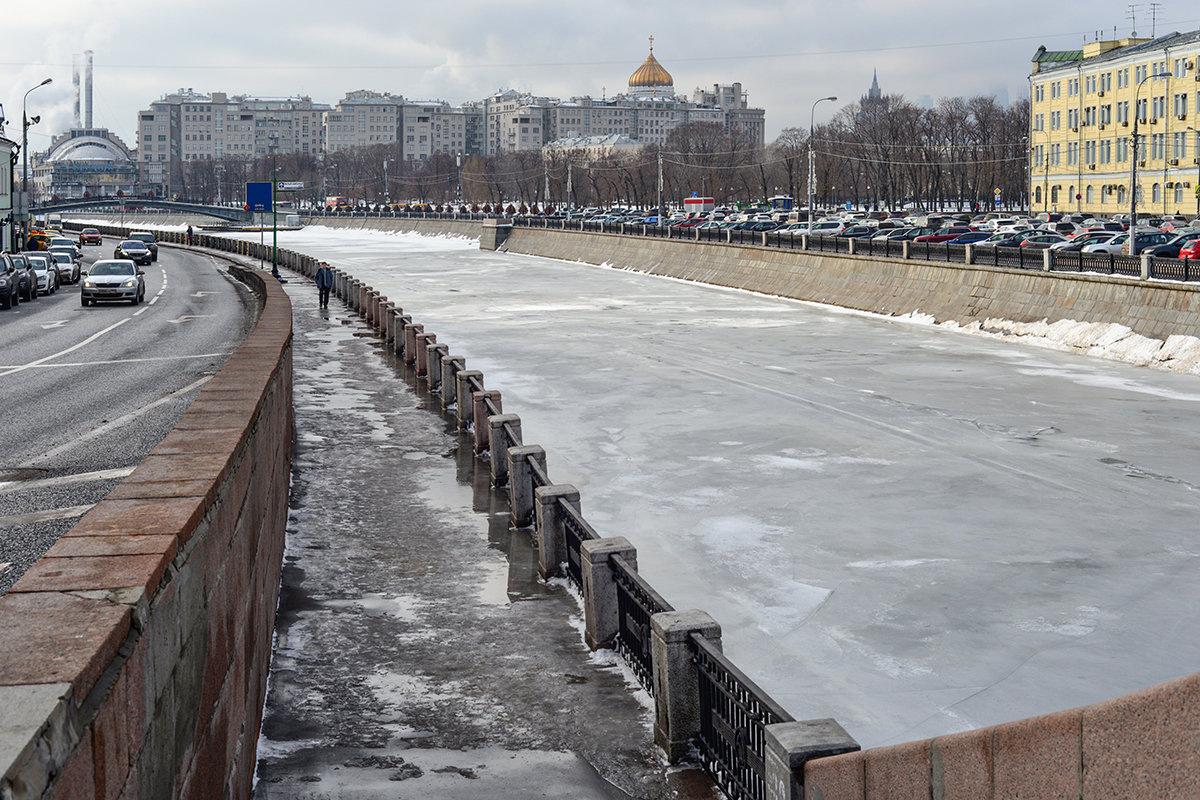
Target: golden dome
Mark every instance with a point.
(650, 73)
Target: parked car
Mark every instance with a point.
(1191, 250)
(1009, 239)
(1112, 245)
(90, 236)
(134, 250)
(859, 232)
(10, 282)
(1170, 249)
(1042, 240)
(26, 277)
(113, 279)
(1144, 241)
(1081, 241)
(46, 271)
(945, 234)
(971, 237)
(68, 268)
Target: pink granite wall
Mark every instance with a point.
(1140, 745)
(134, 655)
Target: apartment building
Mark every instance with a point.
(189, 126)
(362, 119)
(1086, 106)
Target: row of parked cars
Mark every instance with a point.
(29, 274)
(1163, 237)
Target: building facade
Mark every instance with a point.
(1085, 108)
(85, 162)
(363, 119)
(187, 126)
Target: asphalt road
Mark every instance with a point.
(87, 392)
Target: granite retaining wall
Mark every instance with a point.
(134, 655)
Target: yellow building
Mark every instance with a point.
(1085, 107)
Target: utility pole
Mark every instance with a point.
(659, 213)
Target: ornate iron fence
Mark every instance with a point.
(636, 603)
(576, 531)
(733, 715)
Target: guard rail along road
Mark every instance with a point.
(1142, 745)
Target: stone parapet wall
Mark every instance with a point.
(134, 655)
(947, 291)
(1143, 744)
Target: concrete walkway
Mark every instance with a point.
(417, 654)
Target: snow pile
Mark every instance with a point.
(1098, 339)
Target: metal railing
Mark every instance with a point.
(636, 603)
(1002, 257)
(733, 715)
(576, 531)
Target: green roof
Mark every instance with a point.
(1043, 55)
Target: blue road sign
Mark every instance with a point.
(258, 195)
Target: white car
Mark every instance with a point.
(1081, 241)
(1112, 245)
(47, 273)
(68, 268)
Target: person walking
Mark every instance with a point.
(189, 235)
(324, 279)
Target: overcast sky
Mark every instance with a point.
(785, 54)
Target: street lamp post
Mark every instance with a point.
(812, 184)
(1133, 184)
(25, 123)
(386, 197)
(458, 190)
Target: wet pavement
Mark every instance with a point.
(417, 653)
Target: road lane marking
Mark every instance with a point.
(44, 516)
(146, 359)
(72, 348)
(119, 421)
(189, 317)
(58, 324)
(62, 480)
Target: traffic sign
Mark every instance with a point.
(258, 196)
(289, 186)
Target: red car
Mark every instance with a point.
(1190, 250)
(90, 236)
(945, 234)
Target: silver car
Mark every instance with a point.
(112, 279)
(68, 268)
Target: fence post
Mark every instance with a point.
(600, 613)
(451, 366)
(788, 746)
(499, 445)
(390, 313)
(465, 410)
(552, 542)
(479, 415)
(1047, 260)
(906, 249)
(1147, 266)
(411, 330)
(676, 678)
(421, 343)
(969, 254)
(520, 482)
(402, 322)
(436, 353)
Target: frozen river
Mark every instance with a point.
(913, 530)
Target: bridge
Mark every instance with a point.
(229, 213)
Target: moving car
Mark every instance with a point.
(134, 250)
(10, 294)
(113, 279)
(148, 238)
(90, 236)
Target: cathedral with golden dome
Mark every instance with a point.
(651, 79)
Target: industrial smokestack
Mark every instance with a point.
(87, 86)
(75, 83)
